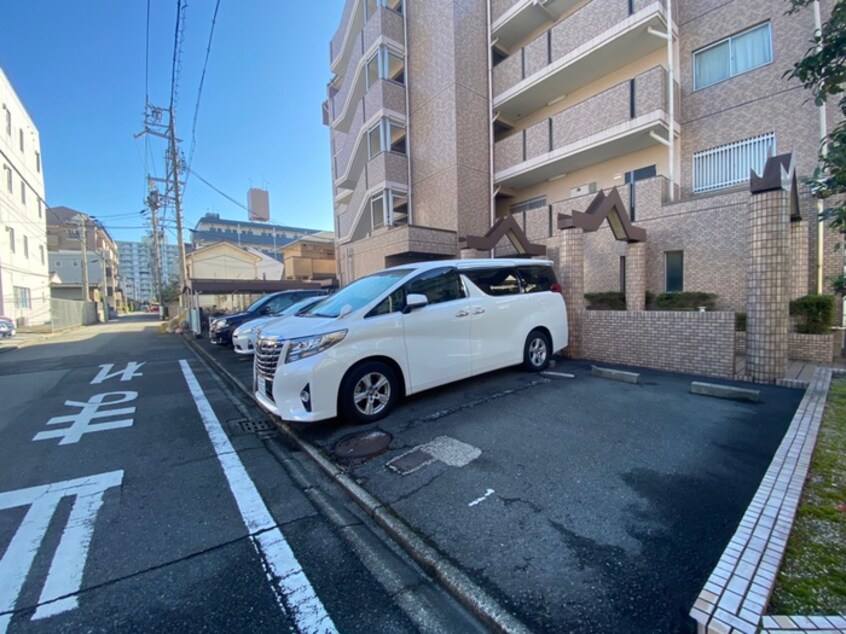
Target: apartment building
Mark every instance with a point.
(262, 236)
(311, 257)
(137, 268)
(69, 232)
(446, 116)
(24, 276)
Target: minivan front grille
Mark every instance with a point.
(267, 354)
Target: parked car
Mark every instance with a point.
(221, 328)
(244, 336)
(7, 327)
(407, 329)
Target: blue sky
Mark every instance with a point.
(79, 68)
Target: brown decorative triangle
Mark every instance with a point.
(604, 206)
(506, 226)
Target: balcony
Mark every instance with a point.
(512, 21)
(383, 98)
(594, 41)
(352, 19)
(618, 121)
(386, 170)
(384, 27)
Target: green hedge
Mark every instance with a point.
(609, 300)
(815, 313)
(686, 300)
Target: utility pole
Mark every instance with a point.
(177, 203)
(154, 203)
(104, 286)
(83, 244)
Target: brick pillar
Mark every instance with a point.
(799, 262)
(768, 286)
(571, 274)
(472, 254)
(636, 276)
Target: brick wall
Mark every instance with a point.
(814, 348)
(690, 342)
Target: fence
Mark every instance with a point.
(729, 164)
(66, 313)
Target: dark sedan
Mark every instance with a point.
(221, 328)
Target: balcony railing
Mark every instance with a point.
(730, 164)
(619, 104)
(385, 96)
(586, 24)
(336, 44)
(384, 24)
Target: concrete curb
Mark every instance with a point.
(725, 391)
(467, 592)
(615, 375)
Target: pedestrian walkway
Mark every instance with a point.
(799, 373)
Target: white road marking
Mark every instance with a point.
(282, 568)
(563, 375)
(80, 424)
(487, 494)
(68, 564)
(127, 374)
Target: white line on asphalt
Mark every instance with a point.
(68, 564)
(487, 494)
(284, 571)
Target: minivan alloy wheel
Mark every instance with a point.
(536, 352)
(369, 391)
(372, 393)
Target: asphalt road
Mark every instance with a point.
(582, 505)
(132, 499)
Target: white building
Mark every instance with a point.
(136, 268)
(24, 276)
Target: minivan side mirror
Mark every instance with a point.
(414, 301)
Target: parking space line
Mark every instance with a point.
(286, 575)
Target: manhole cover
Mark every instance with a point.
(255, 425)
(362, 445)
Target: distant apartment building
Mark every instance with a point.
(258, 202)
(311, 257)
(262, 236)
(137, 268)
(447, 116)
(69, 234)
(24, 275)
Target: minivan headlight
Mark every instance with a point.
(303, 347)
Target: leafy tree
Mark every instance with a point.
(170, 293)
(823, 72)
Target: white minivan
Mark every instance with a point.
(407, 329)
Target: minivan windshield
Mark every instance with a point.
(356, 295)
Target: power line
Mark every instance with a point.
(147, 60)
(222, 193)
(177, 54)
(200, 93)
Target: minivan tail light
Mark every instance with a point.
(556, 288)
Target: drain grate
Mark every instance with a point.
(255, 425)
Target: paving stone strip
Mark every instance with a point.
(738, 591)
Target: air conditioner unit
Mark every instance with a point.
(582, 190)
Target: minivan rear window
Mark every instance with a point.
(536, 279)
(495, 281)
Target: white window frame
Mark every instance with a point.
(383, 127)
(389, 202)
(382, 57)
(730, 39)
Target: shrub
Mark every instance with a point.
(685, 300)
(740, 322)
(609, 300)
(815, 313)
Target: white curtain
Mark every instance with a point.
(751, 49)
(712, 65)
